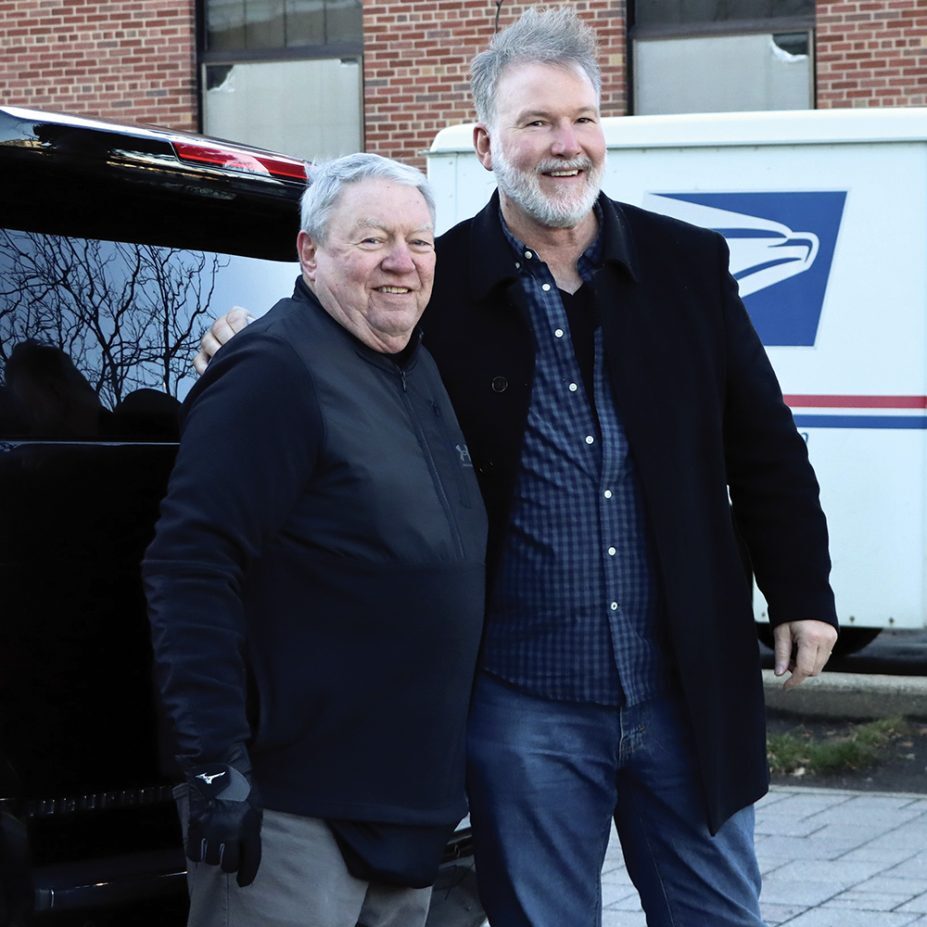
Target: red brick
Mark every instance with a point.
(81, 56)
(137, 59)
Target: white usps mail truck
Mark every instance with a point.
(825, 213)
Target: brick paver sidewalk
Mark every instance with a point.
(829, 858)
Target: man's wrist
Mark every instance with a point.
(220, 781)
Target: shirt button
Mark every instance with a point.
(607, 494)
(573, 387)
(614, 606)
(612, 551)
(529, 255)
(517, 265)
(590, 439)
(499, 384)
(558, 332)
(545, 287)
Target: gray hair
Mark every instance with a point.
(553, 36)
(327, 180)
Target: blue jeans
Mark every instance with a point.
(546, 779)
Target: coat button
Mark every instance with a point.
(499, 384)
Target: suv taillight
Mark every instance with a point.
(240, 159)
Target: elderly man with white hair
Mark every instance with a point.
(315, 584)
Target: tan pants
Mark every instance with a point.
(302, 882)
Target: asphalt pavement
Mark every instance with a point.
(830, 857)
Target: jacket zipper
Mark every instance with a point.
(432, 466)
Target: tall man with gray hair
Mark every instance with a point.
(632, 446)
(629, 433)
(315, 584)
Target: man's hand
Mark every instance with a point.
(224, 328)
(802, 647)
(225, 819)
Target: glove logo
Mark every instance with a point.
(224, 825)
(208, 779)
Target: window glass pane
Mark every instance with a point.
(225, 24)
(722, 73)
(96, 337)
(264, 24)
(95, 346)
(305, 22)
(257, 24)
(343, 20)
(254, 104)
(668, 12)
(795, 43)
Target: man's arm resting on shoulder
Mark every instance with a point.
(222, 330)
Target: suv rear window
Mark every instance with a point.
(108, 277)
(96, 341)
(96, 337)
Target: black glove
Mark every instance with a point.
(225, 818)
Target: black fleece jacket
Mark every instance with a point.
(315, 584)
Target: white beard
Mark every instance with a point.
(523, 187)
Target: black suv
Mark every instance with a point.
(116, 245)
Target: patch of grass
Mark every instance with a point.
(857, 746)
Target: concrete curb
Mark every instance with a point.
(849, 695)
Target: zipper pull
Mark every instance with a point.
(402, 376)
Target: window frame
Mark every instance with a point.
(205, 55)
(732, 27)
(728, 27)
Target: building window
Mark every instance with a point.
(719, 12)
(284, 74)
(721, 55)
(239, 25)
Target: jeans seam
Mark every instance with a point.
(597, 909)
(656, 869)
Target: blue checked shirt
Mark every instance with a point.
(575, 613)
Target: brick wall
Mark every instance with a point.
(128, 60)
(871, 53)
(134, 60)
(416, 59)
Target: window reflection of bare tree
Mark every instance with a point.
(95, 338)
(128, 315)
(55, 401)
(148, 415)
(58, 400)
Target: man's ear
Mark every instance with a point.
(306, 248)
(483, 145)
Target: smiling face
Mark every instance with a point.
(545, 145)
(374, 271)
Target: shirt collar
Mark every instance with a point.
(610, 245)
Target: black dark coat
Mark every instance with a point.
(704, 417)
(315, 585)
